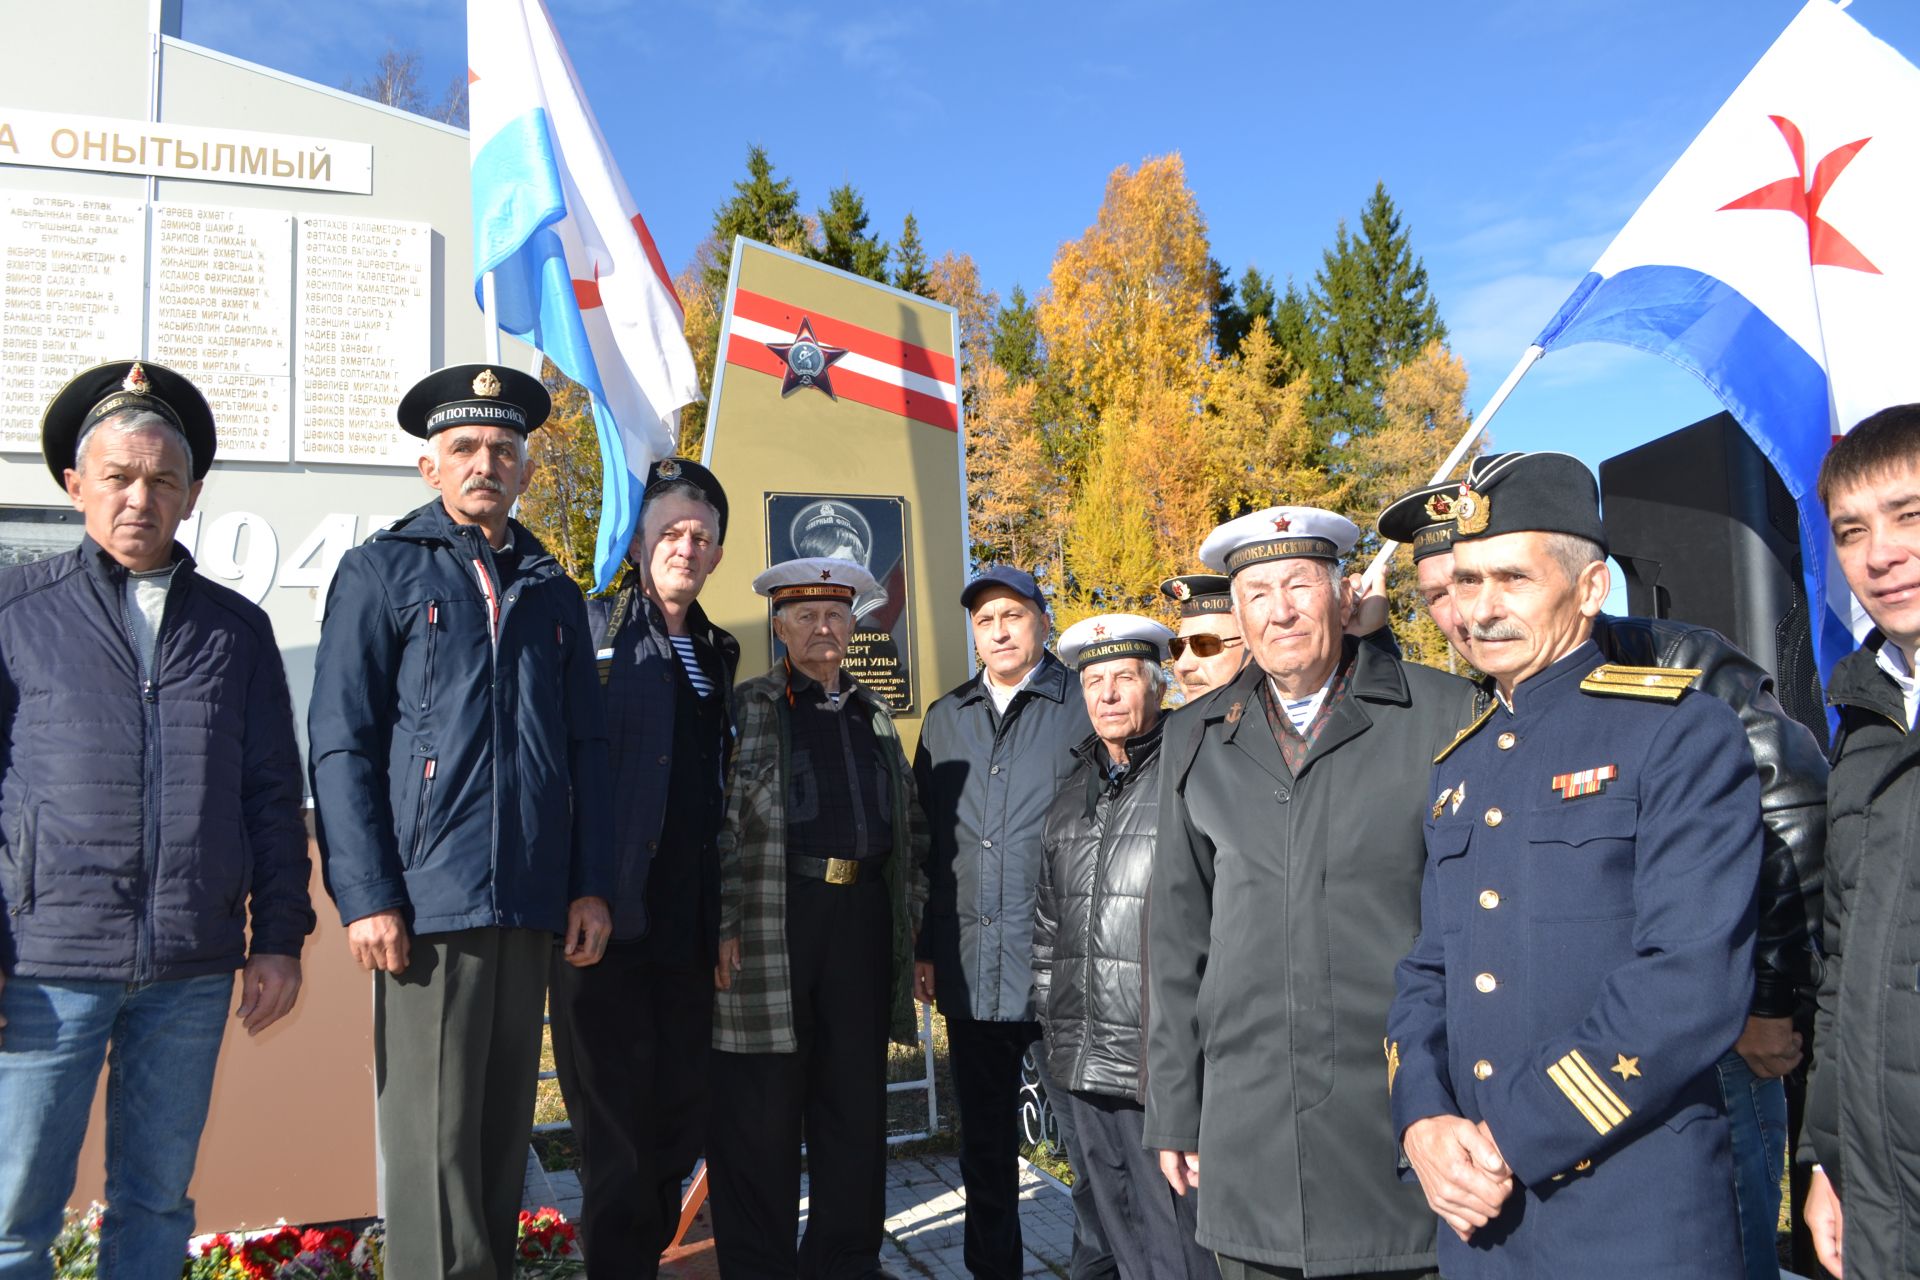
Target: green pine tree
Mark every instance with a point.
(1016, 338)
(910, 271)
(844, 242)
(1293, 328)
(1369, 312)
(763, 208)
(1235, 312)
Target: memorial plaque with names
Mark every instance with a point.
(70, 286)
(364, 334)
(222, 313)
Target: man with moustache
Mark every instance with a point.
(1285, 888)
(631, 1034)
(459, 760)
(1793, 781)
(1207, 648)
(1585, 953)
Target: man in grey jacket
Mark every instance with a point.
(992, 753)
(1286, 887)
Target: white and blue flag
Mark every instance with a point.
(576, 273)
(1779, 262)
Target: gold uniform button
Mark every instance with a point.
(1482, 1069)
(1583, 1166)
(1495, 817)
(1485, 983)
(1489, 899)
(1506, 741)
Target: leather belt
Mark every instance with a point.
(832, 870)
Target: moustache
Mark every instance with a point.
(480, 482)
(1496, 631)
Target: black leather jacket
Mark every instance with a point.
(1793, 795)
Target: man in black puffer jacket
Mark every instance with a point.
(150, 800)
(1089, 922)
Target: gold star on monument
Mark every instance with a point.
(1627, 1068)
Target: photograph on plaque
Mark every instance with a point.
(872, 531)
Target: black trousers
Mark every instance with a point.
(1239, 1269)
(833, 1091)
(630, 1045)
(1149, 1228)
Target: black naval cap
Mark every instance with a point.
(1199, 593)
(474, 395)
(668, 471)
(1422, 518)
(116, 386)
(1528, 493)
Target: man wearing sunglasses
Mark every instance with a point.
(1207, 651)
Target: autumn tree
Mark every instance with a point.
(844, 241)
(397, 81)
(562, 502)
(910, 260)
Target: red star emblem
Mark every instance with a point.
(1099, 629)
(808, 361)
(826, 575)
(1282, 524)
(1803, 197)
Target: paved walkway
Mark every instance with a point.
(925, 1209)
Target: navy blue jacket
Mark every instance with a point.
(462, 782)
(141, 820)
(1585, 957)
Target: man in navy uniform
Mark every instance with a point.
(1585, 955)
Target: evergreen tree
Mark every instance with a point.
(844, 242)
(1293, 329)
(763, 208)
(1016, 338)
(910, 273)
(1234, 313)
(1369, 312)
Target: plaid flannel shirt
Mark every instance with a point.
(756, 1016)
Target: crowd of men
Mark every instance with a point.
(1481, 978)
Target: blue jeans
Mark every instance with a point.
(1757, 1116)
(159, 1043)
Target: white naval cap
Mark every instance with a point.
(814, 578)
(1278, 533)
(1113, 635)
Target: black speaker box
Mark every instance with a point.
(1706, 533)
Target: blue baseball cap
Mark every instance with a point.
(1018, 581)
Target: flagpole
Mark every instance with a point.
(1377, 569)
(490, 305)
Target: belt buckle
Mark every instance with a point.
(842, 871)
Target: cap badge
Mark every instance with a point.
(1281, 524)
(1471, 512)
(1439, 507)
(1099, 629)
(487, 385)
(826, 575)
(136, 381)
(666, 469)
(1181, 591)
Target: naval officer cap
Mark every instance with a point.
(1422, 518)
(1278, 533)
(474, 395)
(119, 386)
(814, 578)
(1199, 594)
(668, 471)
(1113, 635)
(1528, 493)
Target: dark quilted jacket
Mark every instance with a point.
(143, 822)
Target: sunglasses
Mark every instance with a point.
(1203, 645)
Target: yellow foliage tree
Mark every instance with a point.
(562, 503)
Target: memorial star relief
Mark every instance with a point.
(808, 361)
(1802, 197)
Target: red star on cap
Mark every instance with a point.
(1802, 198)
(1099, 628)
(826, 575)
(1282, 524)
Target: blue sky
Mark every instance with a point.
(1515, 137)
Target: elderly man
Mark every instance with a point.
(1793, 781)
(150, 791)
(1208, 651)
(1097, 858)
(631, 1034)
(1863, 1107)
(1285, 888)
(460, 784)
(992, 754)
(822, 859)
(1585, 952)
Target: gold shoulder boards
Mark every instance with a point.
(1467, 732)
(1663, 684)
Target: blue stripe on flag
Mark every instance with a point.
(517, 197)
(1770, 384)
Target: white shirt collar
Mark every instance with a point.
(1003, 697)
(1894, 663)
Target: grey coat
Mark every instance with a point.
(986, 783)
(1279, 907)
